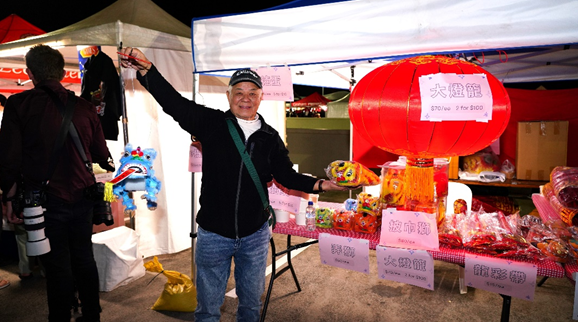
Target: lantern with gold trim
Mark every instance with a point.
(385, 108)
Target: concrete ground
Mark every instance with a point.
(328, 294)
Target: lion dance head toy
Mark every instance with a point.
(134, 174)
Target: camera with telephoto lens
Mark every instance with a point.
(102, 213)
(33, 215)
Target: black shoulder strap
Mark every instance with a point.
(71, 128)
(251, 169)
(64, 128)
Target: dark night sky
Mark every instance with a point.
(53, 15)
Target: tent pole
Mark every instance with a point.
(193, 198)
(124, 122)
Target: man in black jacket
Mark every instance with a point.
(232, 221)
(30, 126)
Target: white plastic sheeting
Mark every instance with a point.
(362, 30)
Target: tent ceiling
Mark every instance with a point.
(369, 30)
(135, 23)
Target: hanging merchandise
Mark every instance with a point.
(428, 107)
(101, 86)
(134, 174)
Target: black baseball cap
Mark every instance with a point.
(246, 75)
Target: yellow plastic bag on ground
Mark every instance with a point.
(179, 294)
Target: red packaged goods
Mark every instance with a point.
(351, 174)
(343, 219)
(565, 183)
(566, 214)
(365, 223)
(448, 232)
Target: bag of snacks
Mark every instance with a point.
(565, 183)
(448, 232)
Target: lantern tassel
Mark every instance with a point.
(419, 185)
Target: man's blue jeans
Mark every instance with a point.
(213, 259)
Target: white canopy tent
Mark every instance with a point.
(537, 39)
(165, 40)
(167, 43)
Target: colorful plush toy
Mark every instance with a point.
(324, 217)
(351, 174)
(366, 203)
(135, 174)
(343, 219)
(365, 223)
(350, 204)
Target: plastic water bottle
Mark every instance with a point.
(310, 216)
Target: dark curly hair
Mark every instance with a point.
(45, 63)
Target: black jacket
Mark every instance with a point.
(230, 203)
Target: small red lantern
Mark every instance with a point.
(385, 108)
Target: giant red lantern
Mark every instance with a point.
(385, 107)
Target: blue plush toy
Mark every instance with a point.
(350, 204)
(135, 174)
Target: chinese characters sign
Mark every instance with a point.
(195, 157)
(501, 276)
(455, 97)
(409, 229)
(277, 84)
(344, 252)
(284, 199)
(415, 267)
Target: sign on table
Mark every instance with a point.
(415, 267)
(409, 229)
(283, 198)
(344, 252)
(503, 276)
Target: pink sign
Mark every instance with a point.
(502, 276)
(195, 157)
(415, 267)
(409, 229)
(453, 97)
(344, 252)
(277, 83)
(283, 198)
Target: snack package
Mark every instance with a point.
(343, 219)
(484, 160)
(448, 232)
(550, 246)
(179, 293)
(365, 223)
(366, 203)
(351, 174)
(392, 184)
(565, 183)
(324, 217)
(566, 214)
(474, 235)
